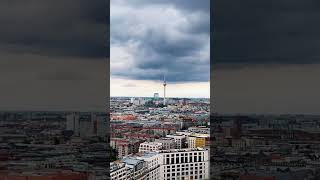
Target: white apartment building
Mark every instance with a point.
(150, 146)
(153, 161)
(185, 164)
(179, 140)
(118, 171)
(167, 143)
(174, 164)
(192, 142)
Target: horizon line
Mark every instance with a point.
(162, 97)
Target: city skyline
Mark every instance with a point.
(152, 47)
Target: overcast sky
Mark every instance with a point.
(53, 55)
(266, 56)
(150, 38)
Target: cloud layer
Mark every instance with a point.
(266, 56)
(53, 55)
(153, 38)
(54, 27)
(266, 32)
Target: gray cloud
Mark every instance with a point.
(162, 37)
(54, 54)
(266, 32)
(55, 27)
(265, 56)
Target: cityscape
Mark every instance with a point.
(160, 138)
(53, 145)
(263, 147)
(134, 93)
(160, 90)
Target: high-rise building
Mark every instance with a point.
(156, 95)
(84, 125)
(94, 125)
(73, 123)
(99, 125)
(185, 164)
(164, 164)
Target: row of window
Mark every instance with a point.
(186, 154)
(185, 159)
(186, 169)
(188, 177)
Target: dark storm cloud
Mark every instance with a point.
(54, 27)
(266, 56)
(162, 37)
(53, 55)
(266, 32)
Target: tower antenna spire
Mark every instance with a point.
(164, 89)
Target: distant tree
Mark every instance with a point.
(113, 154)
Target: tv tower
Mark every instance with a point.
(164, 90)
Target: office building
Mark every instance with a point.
(150, 146)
